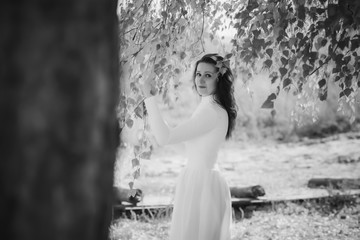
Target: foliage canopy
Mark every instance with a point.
(298, 42)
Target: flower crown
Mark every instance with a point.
(222, 65)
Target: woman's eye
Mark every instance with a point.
(208, 75)
(198, 74)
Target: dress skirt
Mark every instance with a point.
(202, 206)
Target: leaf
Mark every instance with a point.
(164, 14)
(256, 33)
(163, 61)
(243, 54)
(286, 82)
(284, 61)
(154, 90)
(318, 43)
(301, 12)
(258, 44)
(355, 43)
(273, 113)
(322, 94)
(269, 103)
(136, 173)
(139, 111)
(300, 24)
(268, 63)
(132, 193)
(348, 80)
(129, 123)
(322, 83)
(338, 59)
(336, 70)
(182, 29)
(344, 43)
(320, 10)
(135, 162)
(229, 55)
(292, 42)
(347, 59)
(286, 53)
(299, 35)
(130, 102)
(164, 37)
(306, 69)
(252, 4)
(324, 42)
(346, 92)
(247, 59)
(145, 155)
(282, 71)
(312, 56)
(277, 90)
(182, 55)
(269, 52)
(292, 63)
(273, 79)
(226, 6)
(136, 149)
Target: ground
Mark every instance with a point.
(283, 169)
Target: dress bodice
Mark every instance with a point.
(202, 150)
(203, 133)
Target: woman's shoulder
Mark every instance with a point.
(220, 110)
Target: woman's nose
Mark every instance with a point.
(202, 80)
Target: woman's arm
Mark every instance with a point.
(203, 121)
(158, 126)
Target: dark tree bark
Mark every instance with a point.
(58, 94)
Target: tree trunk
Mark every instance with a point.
(122, 195)
(58, 93)
(335, 183)
(247, 192)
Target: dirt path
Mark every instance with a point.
(283, 169)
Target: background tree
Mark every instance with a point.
(59, 89)
(300, 44)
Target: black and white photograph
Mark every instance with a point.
(180, 120)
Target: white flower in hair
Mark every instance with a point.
(222, 65)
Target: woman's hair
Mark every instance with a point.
(224, 91)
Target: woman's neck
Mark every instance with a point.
(207, 98)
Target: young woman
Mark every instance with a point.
(202, 207)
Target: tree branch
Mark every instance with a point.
(329, 57)
(202, 28)
(132, 112)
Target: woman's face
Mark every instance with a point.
(205, 79)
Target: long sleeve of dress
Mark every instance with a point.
(202, 121)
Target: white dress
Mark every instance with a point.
(202, 207)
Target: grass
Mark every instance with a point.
(293, 221)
